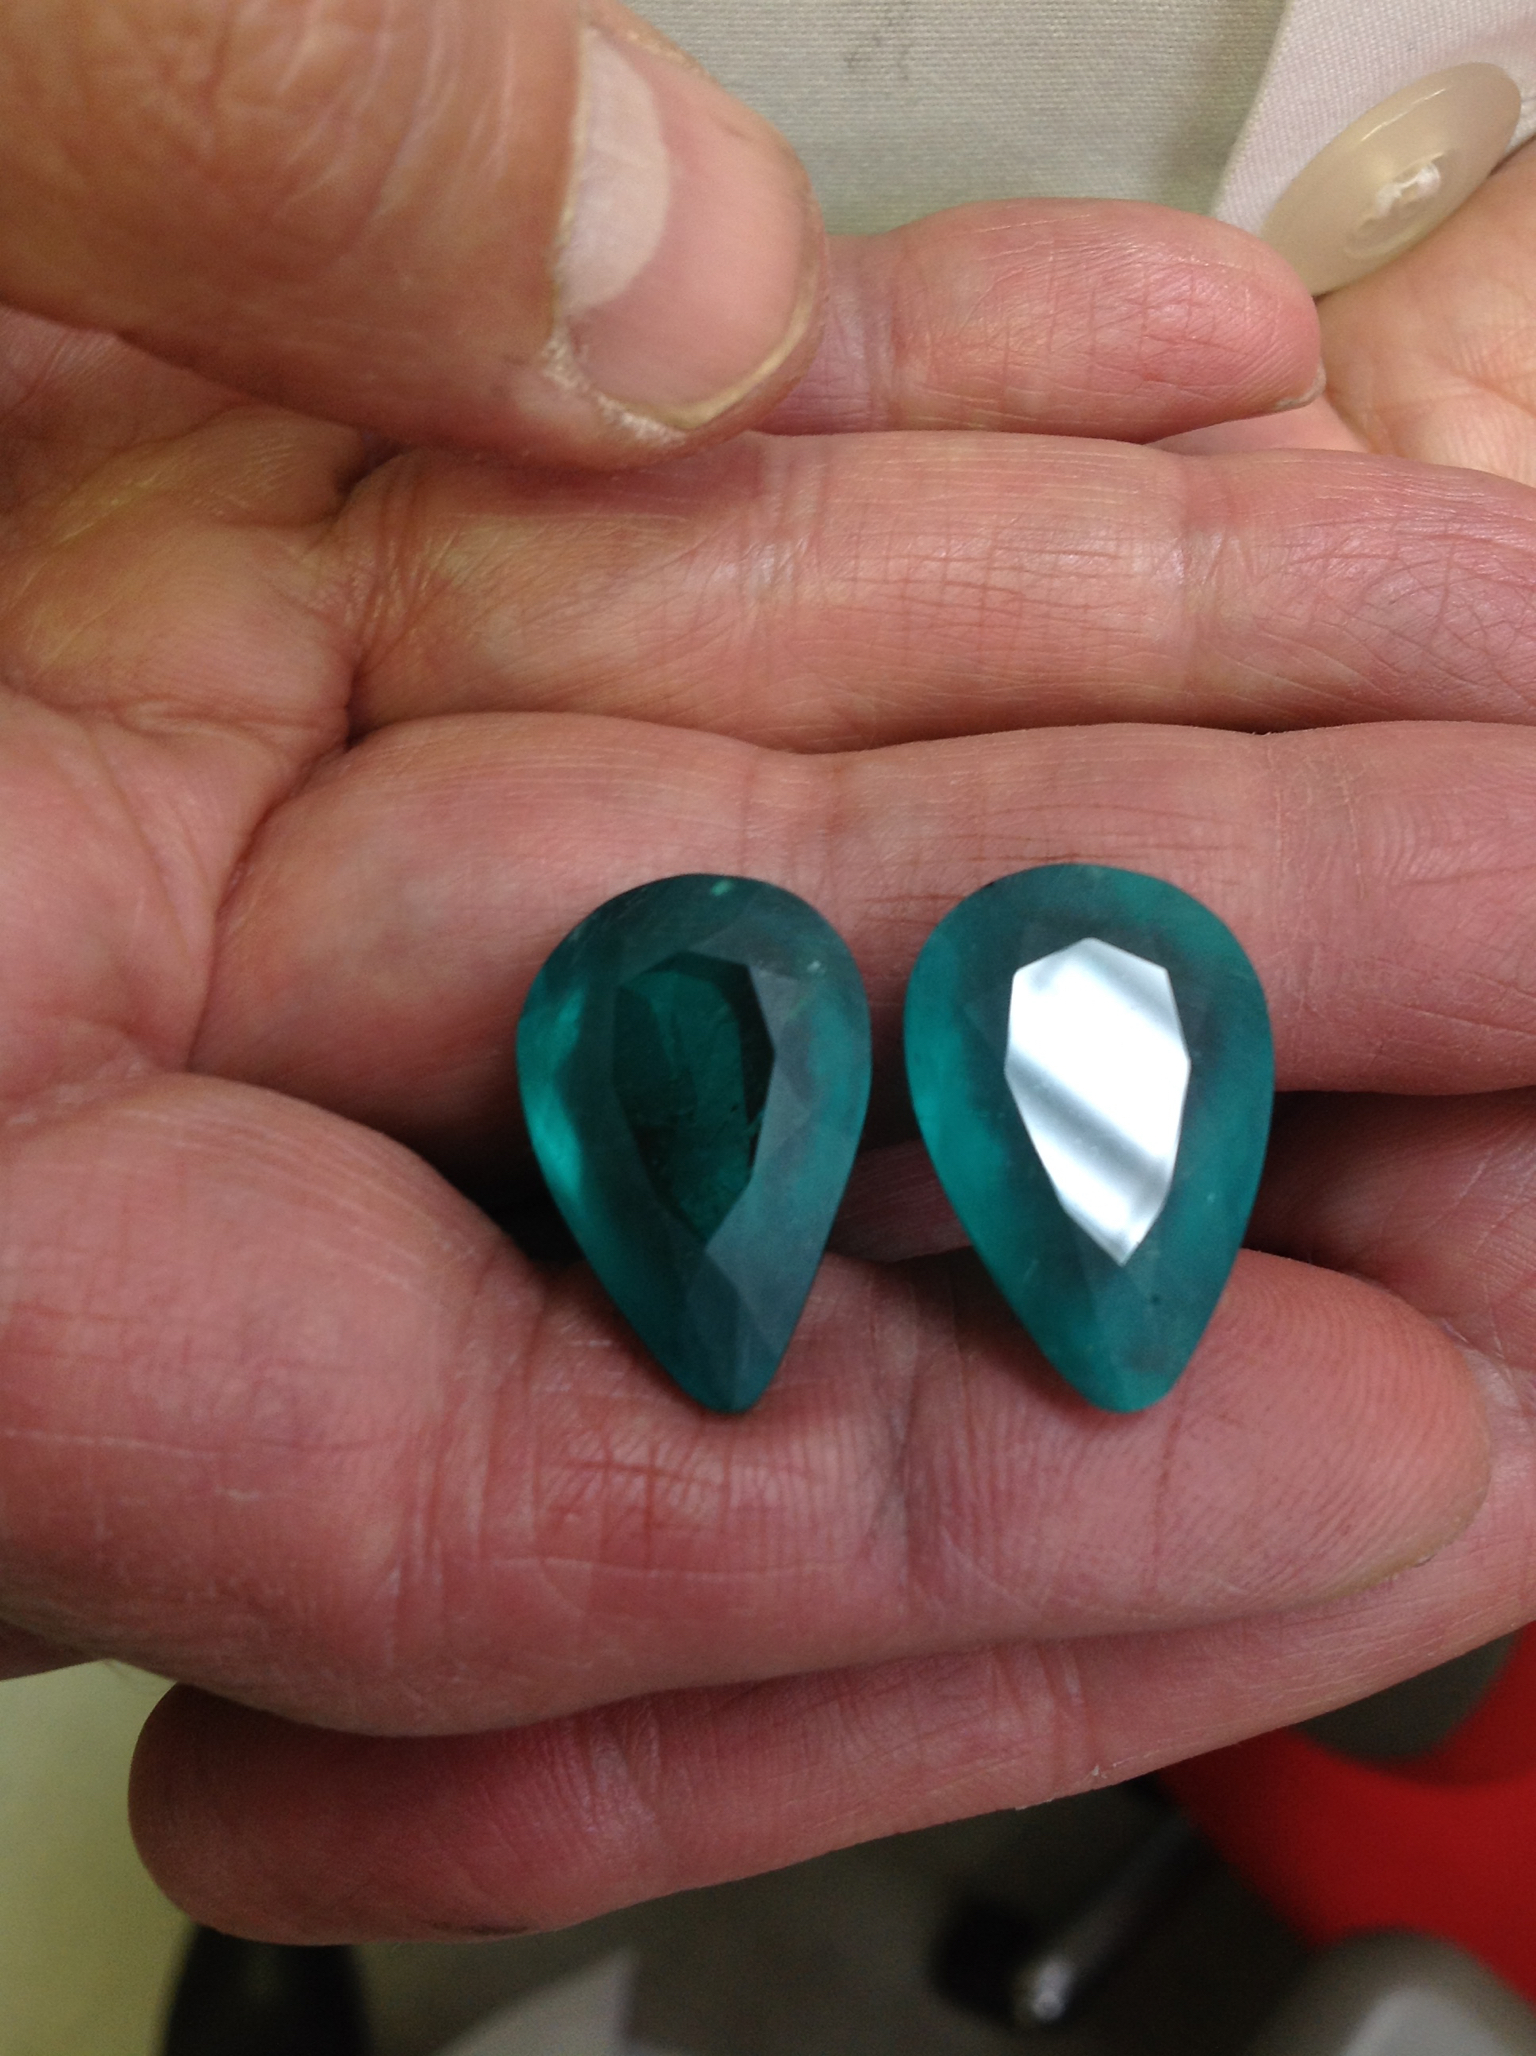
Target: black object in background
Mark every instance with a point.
(993, 1962)
(977, 1956)
(265, 1999)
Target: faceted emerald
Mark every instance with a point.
(1090, 1059)
(694, 1063)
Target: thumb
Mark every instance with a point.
(530, 226)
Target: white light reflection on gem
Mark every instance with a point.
(1098, 1070)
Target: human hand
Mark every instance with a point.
(309, 757)
(307, 765)
(1435, 356)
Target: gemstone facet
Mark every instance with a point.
(694, 1064)
(1090, 1060)
(1098, 1071)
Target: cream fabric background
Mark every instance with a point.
(902, 106)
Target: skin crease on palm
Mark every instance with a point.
(312, 750)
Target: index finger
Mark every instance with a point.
(1073, 317)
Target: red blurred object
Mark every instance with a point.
(1443, 1843)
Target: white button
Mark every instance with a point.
(1394, 174)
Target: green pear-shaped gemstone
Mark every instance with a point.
(1090, 1059)
(694, 1063)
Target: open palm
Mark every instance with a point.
(310, 753)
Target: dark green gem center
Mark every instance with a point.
(692, 1063)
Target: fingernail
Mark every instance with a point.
(1315, 391)
(691, 258)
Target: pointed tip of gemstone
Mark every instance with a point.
(694, 1063)
(1090, 1060)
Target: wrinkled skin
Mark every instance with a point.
(312, 750)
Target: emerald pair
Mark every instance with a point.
(1090, 1064)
